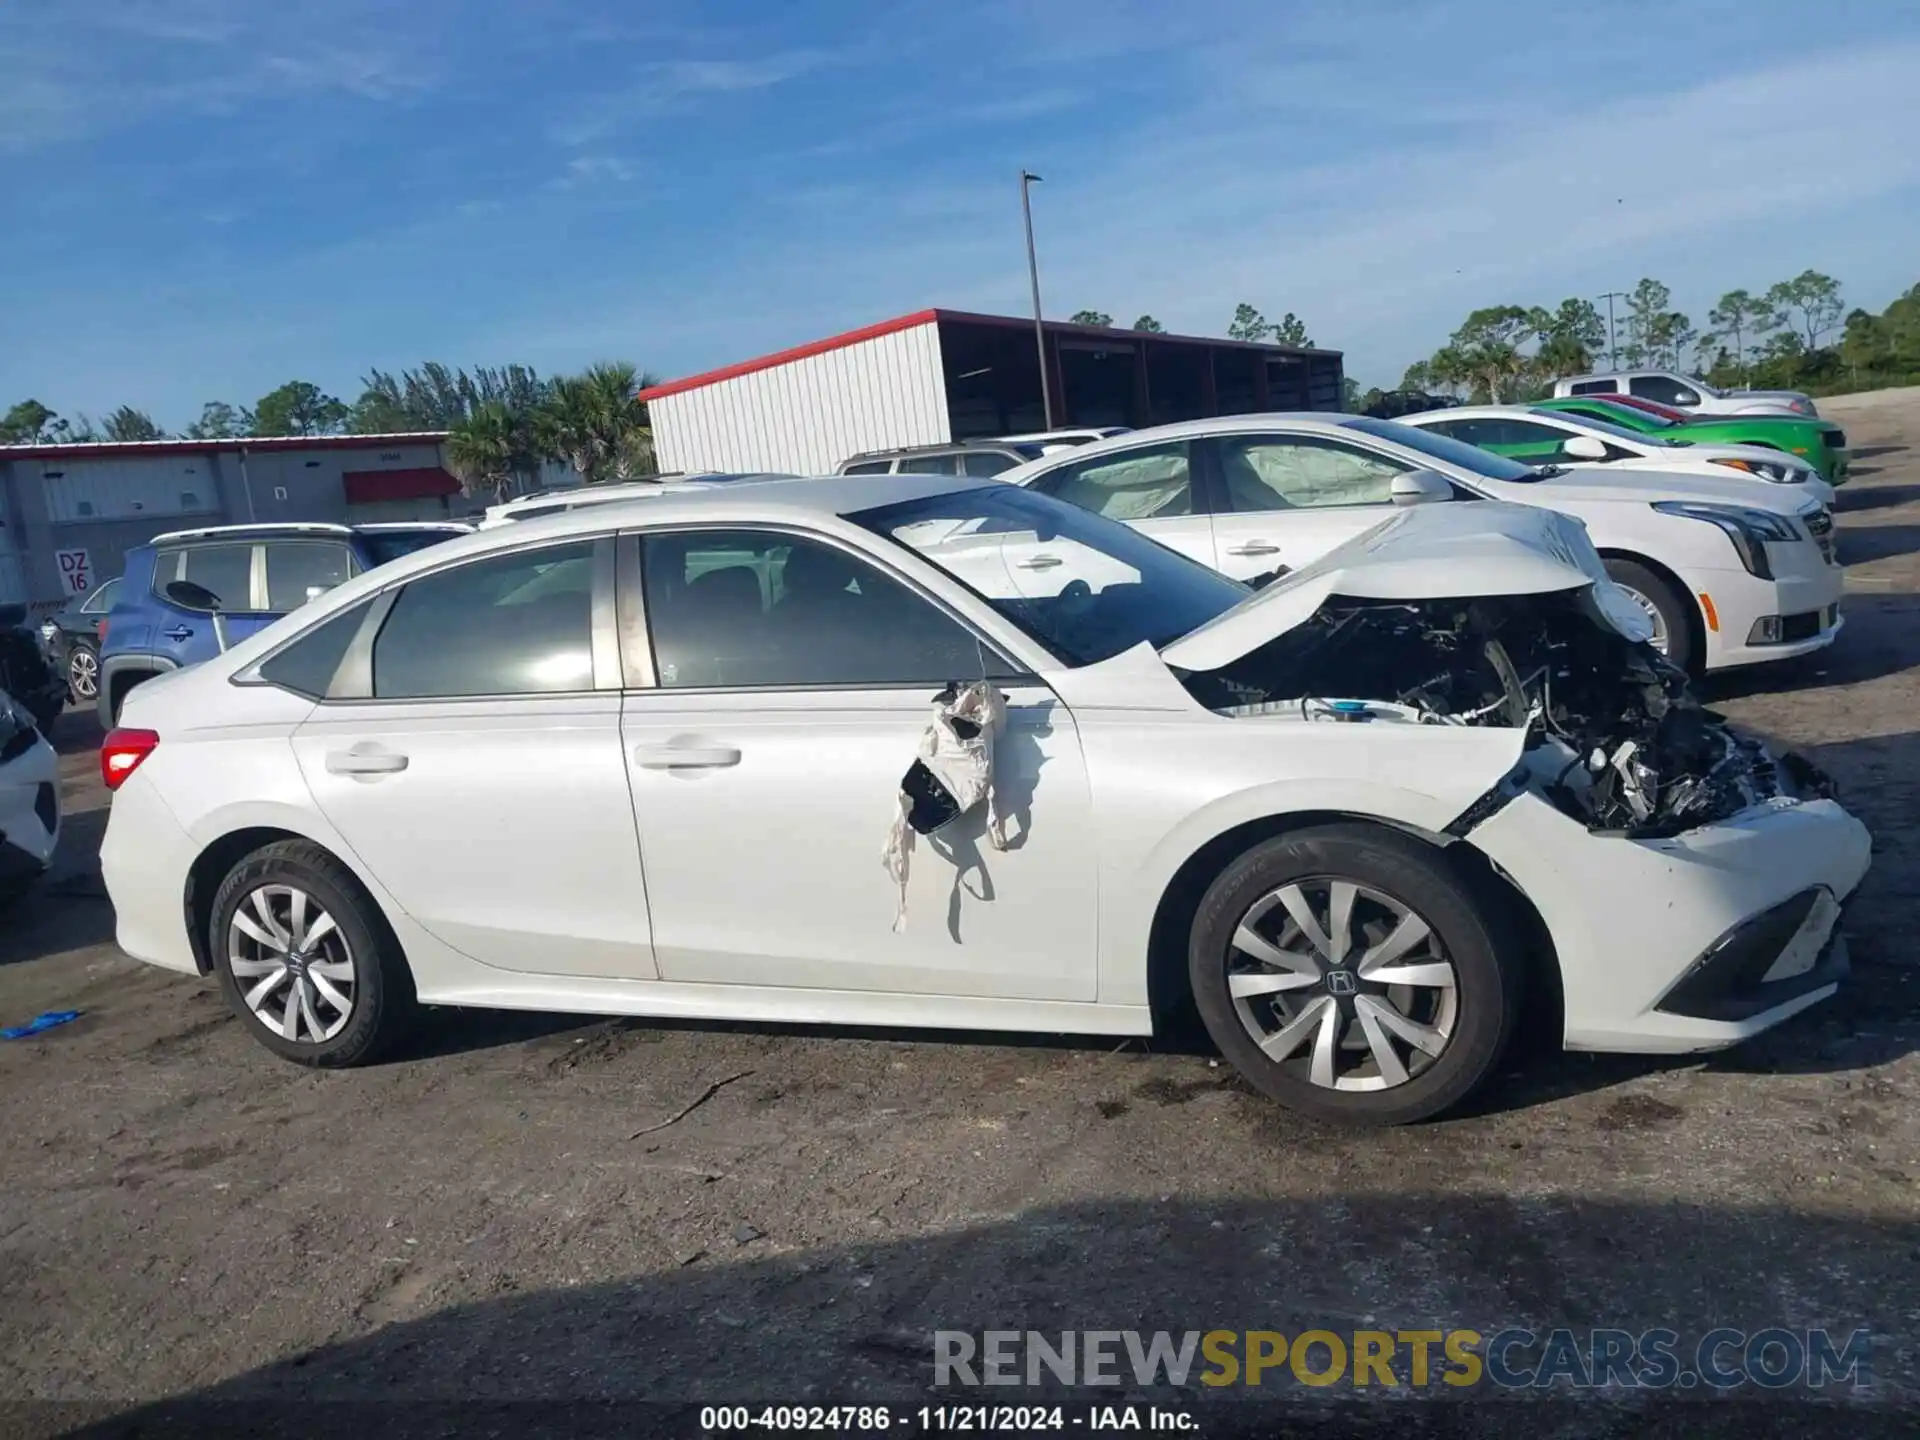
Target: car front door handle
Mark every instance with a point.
(365, 762)
(686, 755)
(178, 633)
(1254, 547)
(1040, 562)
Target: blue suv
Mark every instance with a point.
(257, 572)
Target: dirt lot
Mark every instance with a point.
(183, 1215)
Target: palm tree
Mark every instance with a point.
(488, 448)
(593, 422)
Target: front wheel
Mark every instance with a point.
(1669, 611)
(1348, 973)
(83, 672)
(306, 959)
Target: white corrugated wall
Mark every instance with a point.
(115, 488)
(808, 415)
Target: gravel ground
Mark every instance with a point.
(184, 1218)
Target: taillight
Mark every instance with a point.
(121, 753)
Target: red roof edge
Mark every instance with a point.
(798, 352)
(429, 482)
(95, 449)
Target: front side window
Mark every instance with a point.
(303, 570)
(1662, 389)
(514, 624)
(768, 608)
(1149, 483)
(1593, 387)
(226, 570)
(988, 462)
(1297, 472)
(1085, 587)
(1458, 454)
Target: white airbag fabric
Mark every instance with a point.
(964, 766)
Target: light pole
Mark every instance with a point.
(1613, 351)
(1027, 178)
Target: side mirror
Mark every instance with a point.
(12, 615)
(1419, 487)
(190, 596)
(1584, 447)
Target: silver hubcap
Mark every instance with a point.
(1659, 640)
(1343, 983)
(84, 673)
(293, 965)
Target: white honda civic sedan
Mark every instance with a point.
(645, 759)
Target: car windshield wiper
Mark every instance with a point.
(1545, 472)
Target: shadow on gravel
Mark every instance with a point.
(1873, 452)
(1860, 544)
(67, 910)
(1883, 497)
(735, 1324)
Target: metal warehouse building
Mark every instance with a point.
(68, 513)
(936, 376)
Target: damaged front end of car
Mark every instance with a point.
(1614, 737)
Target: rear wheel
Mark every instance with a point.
(306, 958)
(1348, 973)
(1670, 612)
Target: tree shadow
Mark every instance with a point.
(746, 1323)
(1861, 544)
(1871, 452)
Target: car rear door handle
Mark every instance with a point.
(1254, 547)
(686, 754)
(365, 762)
(1040, 562)
(178, 632)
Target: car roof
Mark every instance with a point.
(952, 447)
(259, 527)
(1327, 421)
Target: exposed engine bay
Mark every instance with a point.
(1615, 739)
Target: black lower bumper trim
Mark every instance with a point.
(1728, 981)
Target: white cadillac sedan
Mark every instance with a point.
(1555, 437)
(1729, 571)
(643, 759)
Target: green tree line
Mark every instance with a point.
(1794, 335)
(504, 423)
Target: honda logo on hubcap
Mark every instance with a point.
(1342, 982)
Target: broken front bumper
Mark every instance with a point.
(1681, 944)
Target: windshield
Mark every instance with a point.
(1085, 587)
(1457, 453)
(1648, 419)
(384, 545)
(1612, 431)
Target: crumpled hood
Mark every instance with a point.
(1424, 552)
(1600, 485)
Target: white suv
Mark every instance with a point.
(1729, 571)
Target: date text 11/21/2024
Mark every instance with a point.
(928, 1419)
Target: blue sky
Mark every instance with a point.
(208, 197)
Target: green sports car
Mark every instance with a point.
(1821, 443)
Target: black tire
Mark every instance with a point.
(1487, 972)
(45, 711)
(90, 665)
(1676, 611)
(383, 1000)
